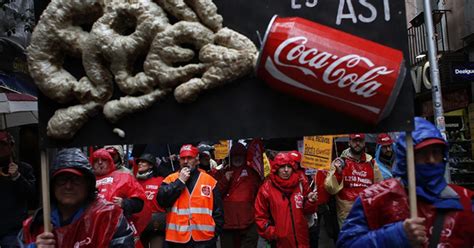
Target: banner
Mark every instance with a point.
(222, 149)
(255, 156)
(317, 152)
(257, 109)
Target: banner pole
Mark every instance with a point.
(411, 175)
(45, 191)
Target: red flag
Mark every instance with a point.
(255, 156)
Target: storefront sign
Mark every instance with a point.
(317, 152)
(463, 72)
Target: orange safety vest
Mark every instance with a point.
(191, 214)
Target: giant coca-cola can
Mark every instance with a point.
(332, 68)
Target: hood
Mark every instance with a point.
(104, 154)
(430, 182)
(74, 158)
(423, 130)
(120, 151)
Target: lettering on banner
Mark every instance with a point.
(297, 4)
(335, 71)
(346, 11)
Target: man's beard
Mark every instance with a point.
(356, 152)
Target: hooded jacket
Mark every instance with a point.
(376, 219)
(280, 218)
(100, 223)
(121, 184)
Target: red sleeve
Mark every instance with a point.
(222, 183)
(309, 207)
(323, 195)
(265, 225)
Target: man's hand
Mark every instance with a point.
(415, 230)
(228, 175)
(312, 196)
(339, 164)
(13, 170)
(117, 201)
(45, 240)
(184, 174)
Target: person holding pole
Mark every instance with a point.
(196, 216)
(381, 217)
(79, 218)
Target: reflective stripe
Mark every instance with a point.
(186, 211)
(178, 228)
(201, 211)
(180, 211)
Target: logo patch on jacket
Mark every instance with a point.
(299, 200)
(206, 190)
(244, 173)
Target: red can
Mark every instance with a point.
(332, 68)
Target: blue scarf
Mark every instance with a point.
(430, 182)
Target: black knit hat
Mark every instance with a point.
(148, 158)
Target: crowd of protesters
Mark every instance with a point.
(195, 200)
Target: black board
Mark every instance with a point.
(248, 107)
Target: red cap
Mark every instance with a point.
(296, 156)
(384, 139)
(357, 136)
(188, 151)
(68, 170)
(428, 142)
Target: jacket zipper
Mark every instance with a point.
(293, 222)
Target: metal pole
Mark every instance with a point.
(434, 71)
(438, 110)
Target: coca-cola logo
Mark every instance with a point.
(332, 70)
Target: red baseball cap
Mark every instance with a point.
(428, 142)
(357, 136)
(68, 170)
(384, 139)
(188, 151)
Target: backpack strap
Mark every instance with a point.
(437, 228)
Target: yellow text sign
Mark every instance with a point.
(317, 152)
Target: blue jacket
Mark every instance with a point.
(355, 231)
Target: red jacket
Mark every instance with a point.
(238, 196)
(458, 228)
(151, 186)
(95, 228)
(281, 219)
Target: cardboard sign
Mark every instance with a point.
(317, 152)
(222, 149)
